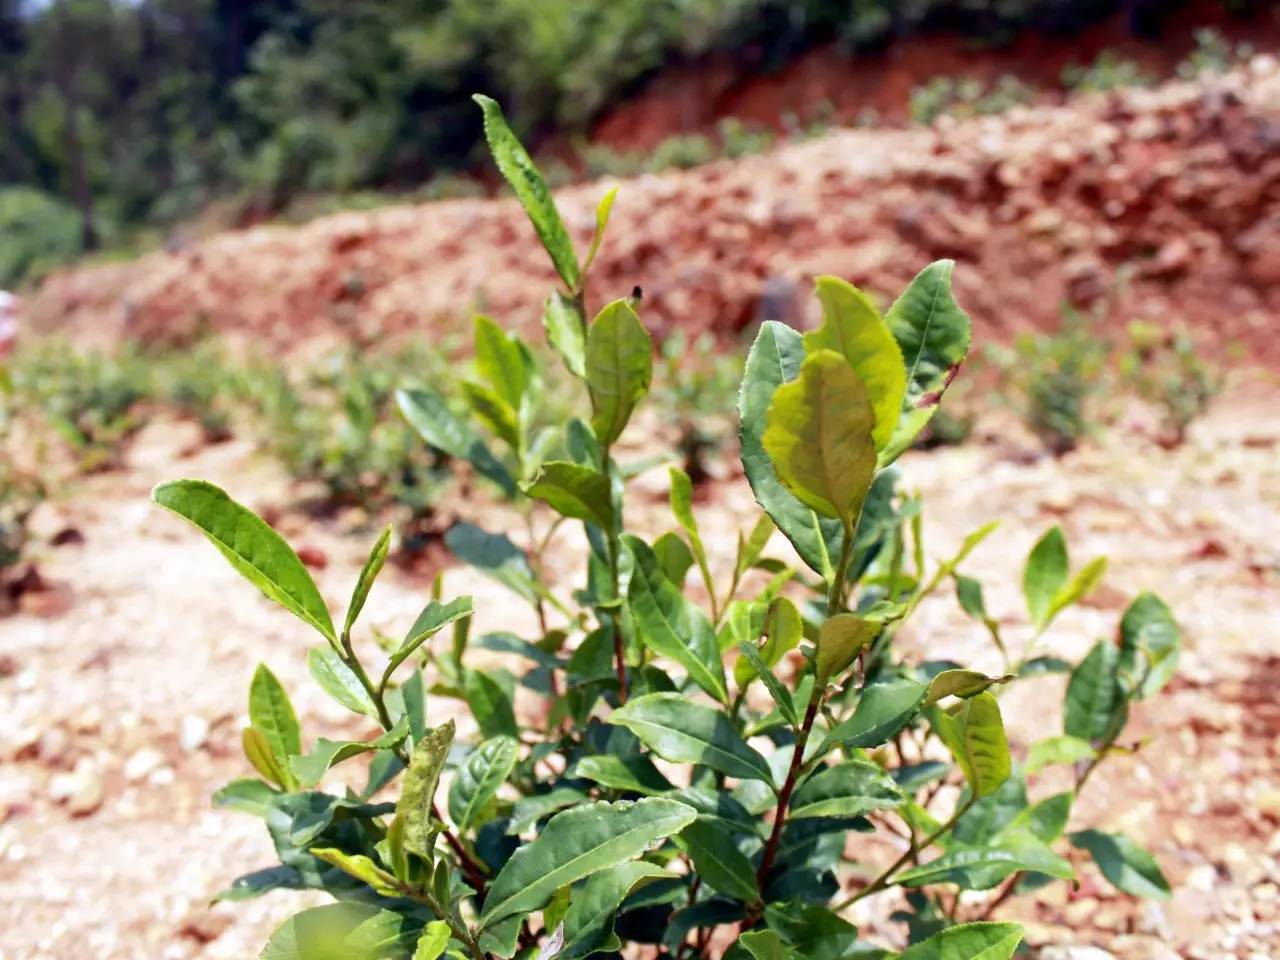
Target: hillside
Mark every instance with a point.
(1163, 203)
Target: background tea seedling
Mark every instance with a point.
(1164, 367)
(659, 796)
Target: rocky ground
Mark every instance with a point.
(122, 691)
(1164, 203)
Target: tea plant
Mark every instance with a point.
(334, 425)
(630, 789)
(92, 400)
(1164, 368)
(1051, 377)
(695, 395)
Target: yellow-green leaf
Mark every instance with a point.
(974, 733)
(818, 435)
(853, 328)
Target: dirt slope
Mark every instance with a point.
(1167, 202)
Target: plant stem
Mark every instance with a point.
(835, 595)
(459, 930)
(475, 875)
(886, 878)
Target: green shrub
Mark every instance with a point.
(695, 394)
(656, 796)
(1163, 367)
(93, 400)
(1051, 377)
(40, 232)
(334, 425)
(1107, 72)
(964, 97)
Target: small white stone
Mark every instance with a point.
(193, 732)
(142, 763)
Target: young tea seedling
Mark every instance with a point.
(701, 780)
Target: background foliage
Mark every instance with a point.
(139, 114)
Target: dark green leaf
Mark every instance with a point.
(718, 862)
(982, 867)
(575, 844)
(848, 789)
(634, 774)
(588, 923)
(494, 555)
(883, 710)
(311, 769)
(684, 732)
(970, 941)
(429, 415)
(1149, 645)
(670, 625)
(1095, 707)
(1125, 864)
(490, 705)
(478, 778)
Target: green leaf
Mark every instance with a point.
(529, 810)
(247, 796)
(1078, 587)
(588, 924)
(271, 712)
(362, 868)
(933, 334)
(490, 705)
(774, 359)
(782, 630)
(974, 733)
(970, 941)
(674, 557)
(520, 171)
(339, 681)
(1045, 575)
(718, 862)
(310, 769)
(840, 639)
(435, 616)
(603, 209)
(1095, 707)
(261, 757)
(848, 789)
(577, 843)
(781, 695)
(749, 549)
(342, 931)
(818, 435)
(684, 732)
(368, 573)
(566, 332)
(982, 867)
(883, 710)
(495, 556)
(420, 782)
(1044, 820)
(682, 508)
(853, 328)
(671, 626)
(765, 945)
(1125, 864)
(960, 683)
(581, 493)
(633, 774)
(501, 361)
(429, 415)
(478, 779)
(433, 941)
(1150, 643)
(493, 412)
(257, 552)
(619, 368)
(1058, 750)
